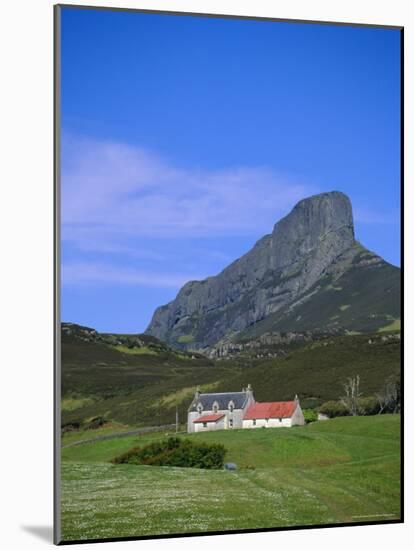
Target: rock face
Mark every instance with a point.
(314, 242)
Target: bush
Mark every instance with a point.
(175, 451)
(368, 405)
(332, 409)
(95, 423)
(70, 427)
(310, 415)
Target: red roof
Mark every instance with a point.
(209, 418)
(275, 409)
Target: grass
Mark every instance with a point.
(187, 394)
(186, 339)
(333, 287)
(80, 435)
(395, 325)
(71, 403)
(342, 470)
(144, 350)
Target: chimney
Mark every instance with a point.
(296, 398)
(197, 392)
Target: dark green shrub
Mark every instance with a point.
(368, 405)
(95, 423)
(332, 409)
(175, 451)
(70, 427)
(310, 415)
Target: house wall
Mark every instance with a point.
(190, 421)
(236, 415)
(211, 426)
(271, 423)
(297, 418)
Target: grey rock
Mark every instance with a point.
(280, 271)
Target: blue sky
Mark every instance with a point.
(184, 139)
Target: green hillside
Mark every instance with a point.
(317, 371)
(342, 470)
(135, 387)
(127, 378)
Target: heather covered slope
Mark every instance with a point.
(121, 376)
(144, 385)
(363, 295)
(309, 274)
(318, 370)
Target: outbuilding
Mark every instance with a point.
(274, 414)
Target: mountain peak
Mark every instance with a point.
(334, 207)
(327, 197)
(314, 243)
(319, 214)
(327, 216)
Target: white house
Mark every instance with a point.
(223, 411)
(276, 414)
(218, 411)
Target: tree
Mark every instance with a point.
(352, 395)
(389, 398)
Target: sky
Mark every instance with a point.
(185, 139)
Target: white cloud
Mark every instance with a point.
(81, 273)
(113, 190)
(126, 213)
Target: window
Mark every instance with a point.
(204, 424)
(200, 408)
(231, 422)
(215, 407)
(231, 406)
(254, 422)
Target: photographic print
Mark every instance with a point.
(228, 274)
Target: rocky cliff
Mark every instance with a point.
(272, 286)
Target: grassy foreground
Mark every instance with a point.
(342, 470)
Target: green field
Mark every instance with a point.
(341, 470)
